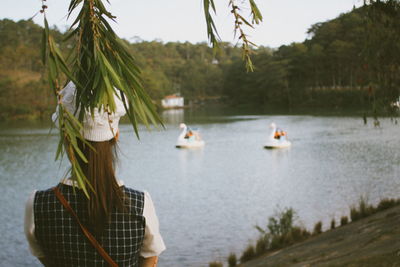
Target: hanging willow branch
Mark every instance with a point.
(239, 21)
(102, 65)
(99, 66)
(212, 32)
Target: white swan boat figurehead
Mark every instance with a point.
(277, 138)
(189, 138)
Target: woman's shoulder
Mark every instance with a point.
(63, 187)
(41, 193)
(142, 196)
(134, 195)
(132, 191)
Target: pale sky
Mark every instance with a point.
(285, 21)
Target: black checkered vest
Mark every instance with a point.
(63, 241)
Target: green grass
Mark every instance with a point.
(364, 209)
(344, 220)
(232, 260)
(215, 264)
(317, 228)
(333, 224)
(248, 254)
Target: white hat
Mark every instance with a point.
(99, 127)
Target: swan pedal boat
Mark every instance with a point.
(191, 142)
(273, 142)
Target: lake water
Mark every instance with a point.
(209, 200)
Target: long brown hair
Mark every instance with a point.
(100, 172)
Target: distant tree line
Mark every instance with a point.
(352, 61)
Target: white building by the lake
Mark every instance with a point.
(172, 101)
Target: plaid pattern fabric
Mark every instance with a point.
(63, 241)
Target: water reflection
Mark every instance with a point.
(279, 153)
(191, 160)
(173, 116)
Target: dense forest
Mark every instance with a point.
(352, 61)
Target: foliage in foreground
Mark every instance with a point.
(232, 260)
(364, 209)
(280, 232)
(100, 67)
(215, 264)
(344, 220)
(317, 228)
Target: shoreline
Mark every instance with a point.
(370, 241)
(228, 110)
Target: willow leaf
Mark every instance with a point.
(130, 113)
(46, 27)
(257, 16)
(150, 115)
(109, 93)
(107, 25)
(140, 111)
(77, 149)
(71, 135)
(44, 46)
(245, 21)
(59, 149)
(74, 121)
(212, 32)
(104, 11)
(81, 179)
(52, 69)
(114, 76)
(77, 20)
(73, 4)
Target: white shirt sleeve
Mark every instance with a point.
(153, 243)
(29, 228)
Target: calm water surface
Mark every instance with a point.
(209, 200)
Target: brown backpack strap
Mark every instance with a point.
(89, 236)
